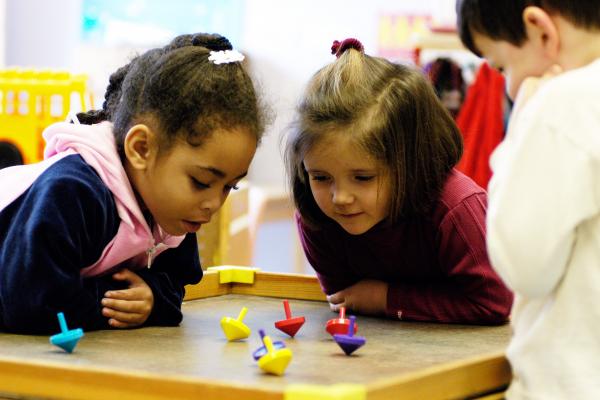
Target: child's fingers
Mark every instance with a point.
(124, 294)
(553, 71)
(125, 317)
(337, 301)
(127, 275)
(119, 324)
(127, 306)
(336, 298)
(531, 85)
(133, 293)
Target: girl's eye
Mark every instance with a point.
(364, 178)
(318, 178)
(199, 184)
(228, 188)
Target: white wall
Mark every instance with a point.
(2, 31)
(42, 33)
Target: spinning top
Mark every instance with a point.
(67, 339)
(235, 329)
(349, 343)
(289, 325)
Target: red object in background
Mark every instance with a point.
(481, 121)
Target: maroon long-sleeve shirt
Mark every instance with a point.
(436, 265)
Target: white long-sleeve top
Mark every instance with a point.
(543, 237)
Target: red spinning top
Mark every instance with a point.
(289, 325)
(340, 325)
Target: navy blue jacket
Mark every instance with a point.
(61, 225)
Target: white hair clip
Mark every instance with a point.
(225, 56)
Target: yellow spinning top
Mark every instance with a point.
(275, 361)
(235, 329)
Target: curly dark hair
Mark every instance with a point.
(177, 85)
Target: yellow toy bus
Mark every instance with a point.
(30, 100)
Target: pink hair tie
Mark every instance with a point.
(338, 48)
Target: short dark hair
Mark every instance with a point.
(176, 85)
(394, 115)
(503, 19)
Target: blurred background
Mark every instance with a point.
(285, 42)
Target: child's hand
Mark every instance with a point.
(364, 297)
(128, 307)
(531, 85)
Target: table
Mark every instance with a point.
(400, 360)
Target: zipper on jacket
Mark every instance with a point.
(150, 252)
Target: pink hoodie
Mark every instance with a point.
(134, 241)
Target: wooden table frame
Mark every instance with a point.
(487, 373)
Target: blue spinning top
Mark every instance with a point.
(67, 339)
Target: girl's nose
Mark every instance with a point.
(212, 203)
(341, 197)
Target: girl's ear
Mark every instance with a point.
(542, 31)
(140, 146)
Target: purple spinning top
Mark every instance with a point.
(350, 343)
(262, 350)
